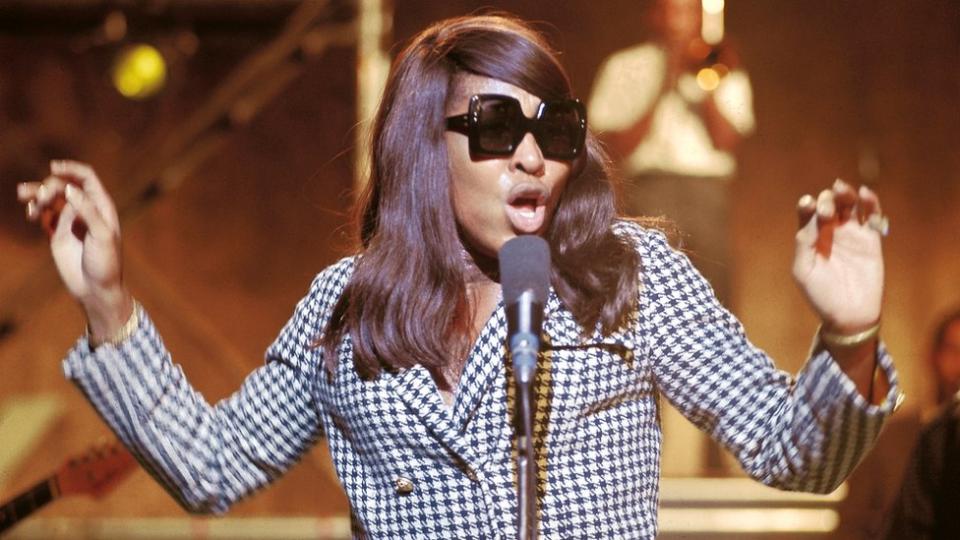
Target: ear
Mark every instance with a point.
(579, 164)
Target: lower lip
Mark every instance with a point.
(525, 221)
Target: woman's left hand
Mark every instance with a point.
(839, 261)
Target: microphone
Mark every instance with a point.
(524, 277)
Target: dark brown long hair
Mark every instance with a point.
(406, 301)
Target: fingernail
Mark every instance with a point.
(839, 184)
(41, 191)
(879, 223)
(69, 191)
(806, 200)
(31, 208)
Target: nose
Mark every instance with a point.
(528, 157)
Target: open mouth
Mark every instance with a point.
(527, 207)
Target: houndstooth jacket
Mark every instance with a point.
(414, 468)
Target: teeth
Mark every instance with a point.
(528, 212)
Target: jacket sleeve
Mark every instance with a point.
(206, 456)
(804, 433)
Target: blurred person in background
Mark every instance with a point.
(928, 506)
(673, 133)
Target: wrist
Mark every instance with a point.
(108, 314)
(848, 337)
(856, 354)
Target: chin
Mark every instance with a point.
(504, 238)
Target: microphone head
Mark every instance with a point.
(525, 264)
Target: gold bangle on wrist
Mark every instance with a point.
(123, 333)
(848, 340)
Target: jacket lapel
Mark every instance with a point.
(416, 389)
(483, 377)
(482, 382)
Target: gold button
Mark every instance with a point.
(404, 485)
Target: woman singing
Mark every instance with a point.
(396, 354)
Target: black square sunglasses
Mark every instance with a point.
(495, 125)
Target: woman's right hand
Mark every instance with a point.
(84, 230)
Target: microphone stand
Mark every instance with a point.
(524, 348)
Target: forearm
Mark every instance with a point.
(722, 132)
(623, 142)
(135, 387)
(206, 457)
(828, 426)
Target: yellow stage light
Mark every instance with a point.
(139, 72)
(708, 79)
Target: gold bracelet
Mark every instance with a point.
(123, 333)
(848, 340)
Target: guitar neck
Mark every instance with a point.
(28, 502)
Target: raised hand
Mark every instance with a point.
(84, 230)
(839, 261)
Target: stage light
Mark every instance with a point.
(712, 6)
(711, 26)
(708, 79)
(139, 72)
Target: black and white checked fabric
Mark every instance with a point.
(597, 437)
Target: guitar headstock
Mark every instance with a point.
(95, 472)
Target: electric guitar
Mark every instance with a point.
(93, 473)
